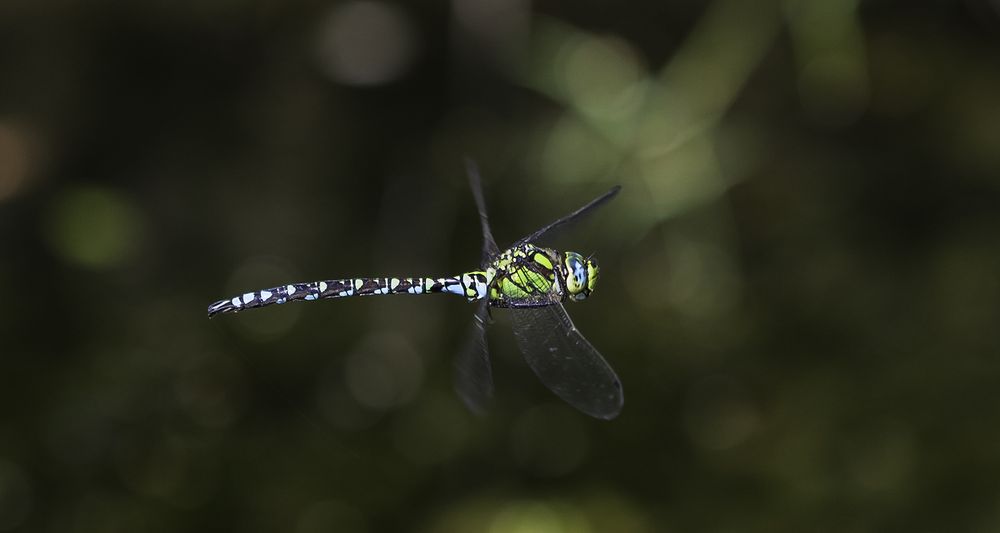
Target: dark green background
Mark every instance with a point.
(800, 289)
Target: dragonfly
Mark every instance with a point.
(529, 280)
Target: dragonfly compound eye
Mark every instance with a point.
(593, 272)
(576, 276)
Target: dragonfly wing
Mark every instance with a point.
(473, 373)
(566, 362)
(490, 249)
(593, 204)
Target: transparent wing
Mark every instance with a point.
(490, 249)
(473, 374)
(565, 362)
(594, 204)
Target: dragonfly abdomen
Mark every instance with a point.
(472, 285)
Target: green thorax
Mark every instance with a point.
(526, 276)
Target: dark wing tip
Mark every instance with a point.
(476, 394)
(472, 169)
(612, 192)
(611, 415)
(610, 410)
(477, 408)
(608, 416)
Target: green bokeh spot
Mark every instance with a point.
(93, 227)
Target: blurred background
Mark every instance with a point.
(800, 288)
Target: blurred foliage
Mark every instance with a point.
(800, 285)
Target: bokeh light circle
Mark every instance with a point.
(93, 227)
(366, 43)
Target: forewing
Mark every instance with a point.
(566, 362)
(590, 207)
(490, 249)
(473, 373)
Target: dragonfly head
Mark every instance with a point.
(581, 275)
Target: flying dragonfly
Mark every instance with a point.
(530, 280)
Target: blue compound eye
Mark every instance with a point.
(576, 276)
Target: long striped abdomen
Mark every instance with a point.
(472, 285)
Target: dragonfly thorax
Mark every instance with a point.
(530, 276)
